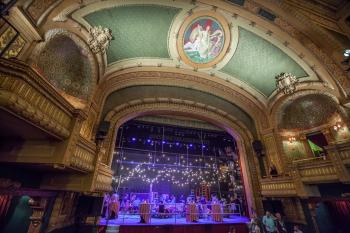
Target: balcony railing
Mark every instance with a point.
(84, 157)
(278, 186)
(316, 170)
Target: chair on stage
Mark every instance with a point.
(192, 214)
(216, 211)
(145, 212)
(113, 207)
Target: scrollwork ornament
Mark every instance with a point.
(100, 39)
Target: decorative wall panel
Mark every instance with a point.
(66, 66)
(307, 112)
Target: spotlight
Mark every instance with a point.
(133, 139)
(163, 142)
(148, 140)
(191, 145)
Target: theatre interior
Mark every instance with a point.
(174, 116)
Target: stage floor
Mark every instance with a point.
(132, 220)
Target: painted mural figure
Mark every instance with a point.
(203, 40)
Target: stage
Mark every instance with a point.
(134, 220)
(131, 224)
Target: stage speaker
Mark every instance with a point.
(102, 130)
(89, 205)
(258, 147)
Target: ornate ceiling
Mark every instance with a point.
(252, 61)
(213, 48)
(75, 77)
(308, 111)
(125, 95)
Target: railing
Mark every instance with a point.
(278, 186)
(176, 213)
(316, 169)
(27, 94)
(84, 156)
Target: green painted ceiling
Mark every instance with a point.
(141, 31)
(139, 92)
(138, 30)
(256, 62)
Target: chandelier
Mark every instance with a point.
(286, 82)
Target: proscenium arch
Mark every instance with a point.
(161, 76)
(154, 106)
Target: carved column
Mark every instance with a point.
(273, 152)
(72, 141)
(299, 185)
(328, 135)
(342, 171)
(38, 208)
(306, 145)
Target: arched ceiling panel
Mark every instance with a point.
(138, 30)
(144, 34)
(307, 111)
(257, 61)
(140, 92)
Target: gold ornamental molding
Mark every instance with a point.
(164, 105)
(278, 106)
(103, 179)
(317, 172)
(288, 31)
(279, 186)
(25, 93)
(84, 156)
(179, 78)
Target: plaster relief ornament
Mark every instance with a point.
(100, 39)
(286, 82)
(204, 39)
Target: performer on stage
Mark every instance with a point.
(114, 207)
(105, 210)
(145, 212)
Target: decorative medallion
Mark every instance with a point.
(204, 38)
(100, 39)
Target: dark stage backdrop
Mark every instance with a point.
(157, 147)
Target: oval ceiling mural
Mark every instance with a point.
(204, 39)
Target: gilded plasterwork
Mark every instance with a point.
(307, 112)
(66, 66)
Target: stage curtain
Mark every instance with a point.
(340, 212)
(5, 201)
